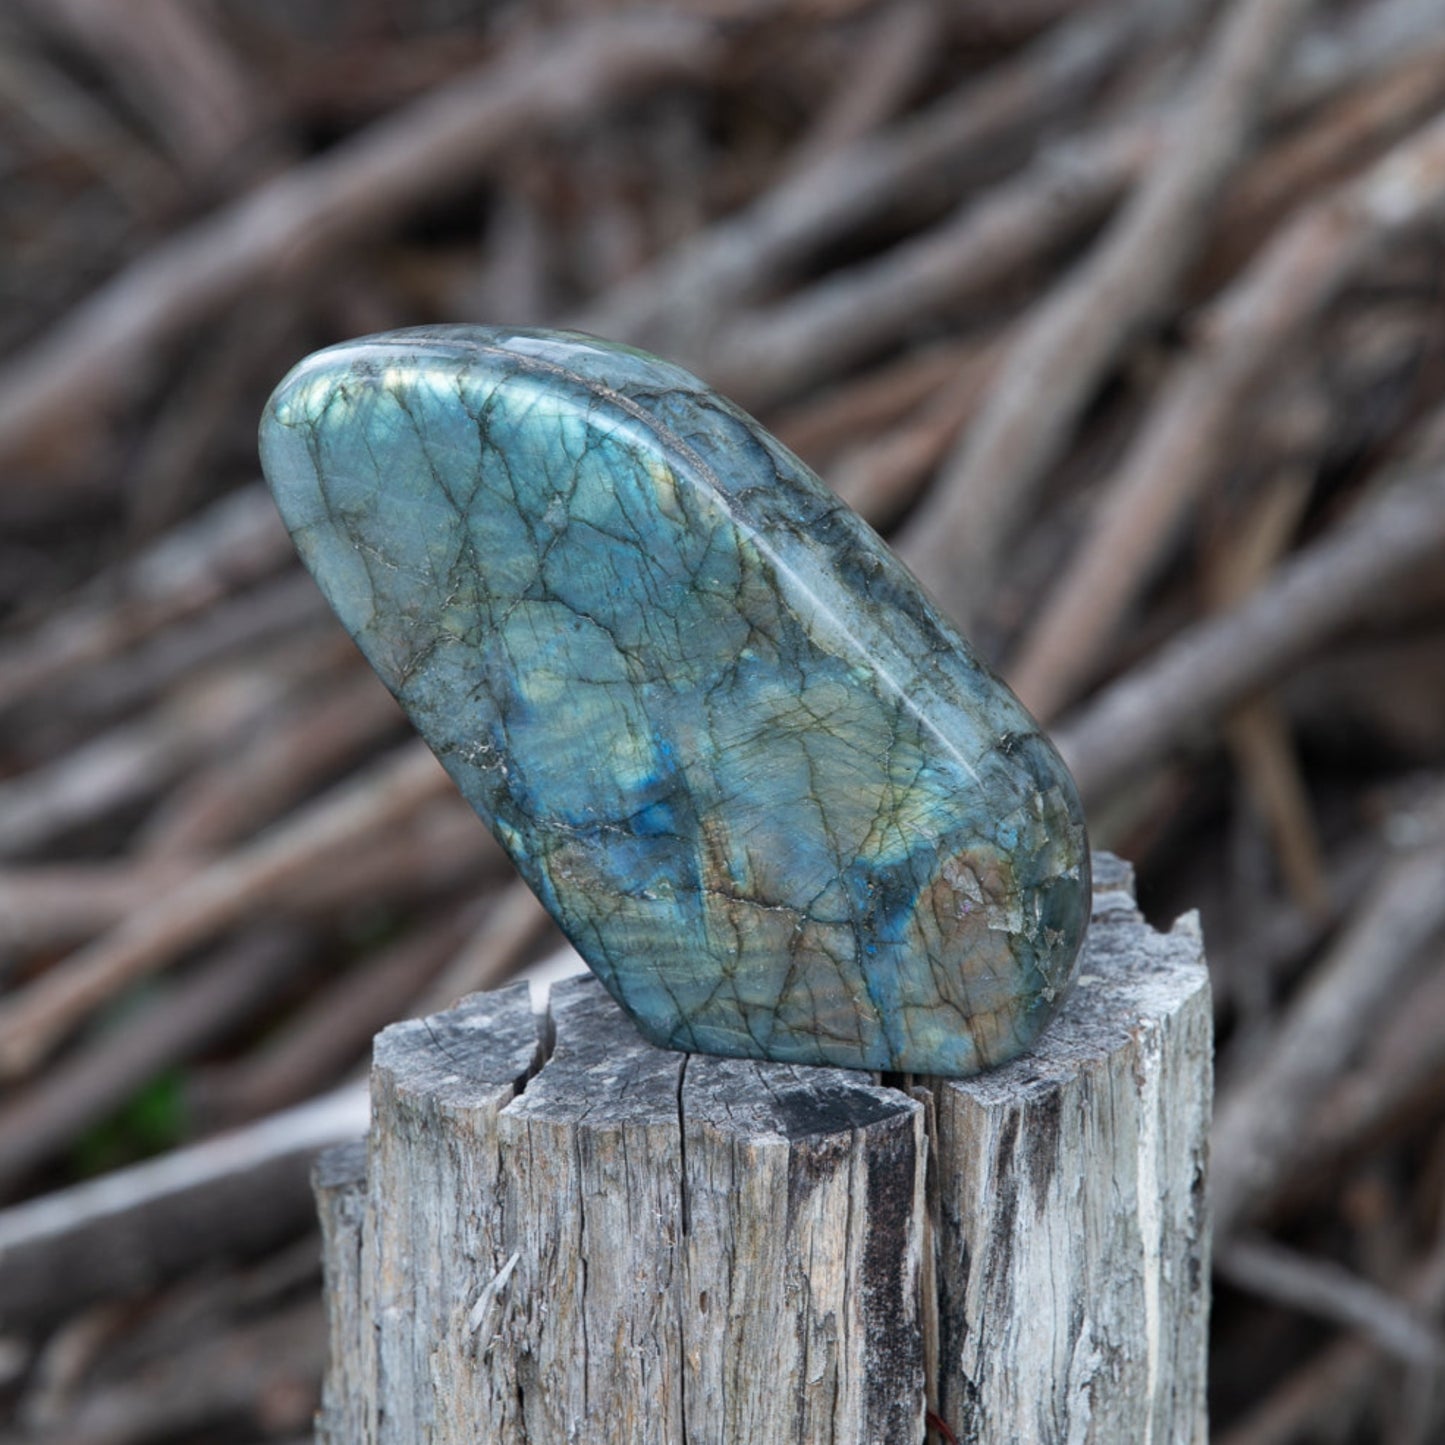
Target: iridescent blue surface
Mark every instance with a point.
(764, 788)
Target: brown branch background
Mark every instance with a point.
(1124, 321)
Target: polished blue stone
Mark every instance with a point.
(763, 786)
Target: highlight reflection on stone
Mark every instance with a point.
(762, 785)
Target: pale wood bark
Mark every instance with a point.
(626, 1244)
(1073, 1245)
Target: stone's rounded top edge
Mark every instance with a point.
(465, 340)
(585, 360)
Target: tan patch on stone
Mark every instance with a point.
(966, 920)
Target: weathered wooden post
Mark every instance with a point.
(562, 1233)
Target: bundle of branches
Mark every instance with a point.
(1123, 320)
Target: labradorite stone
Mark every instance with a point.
(763, 786)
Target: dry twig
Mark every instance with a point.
(761, 357)
(956, 540)
(332, 1031)
(317, 739)
(234, 542)
(1319, 1287)
(1327, 1393)
(1399, 1085)
(514, 923)
(675, 302)
(1368, 118)
(443, 848)
(43, 1121)
(289, 225)
(1260, 1121)
(238, 1193)
(34, 1020)
(881, 478)
(171, 66)
(1264, 313)
(1257, 732)
(130, 762)
(1176, 694)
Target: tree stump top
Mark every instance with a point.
(563, 1232)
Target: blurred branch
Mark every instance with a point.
(238, 1193)
(1257, 732)
(335, 725)
(130, 762)
(514, 922)
(1326, 1393)
(59, 905)
(289, 225)
(674, 303)
(880, 478)
(1177, 693)
(1260, 317)
(35, 1019)
(1398, 1084)
(43, 1121)
(957, 538)
(761, 357)
(235, 541)
(858, 409)
(1260, 1120)
(171, 65)
(1360, 42)
(1376, 113)
(77, 124)
(264, 1371)
(276, 627)
(887, 62)
(1319, 1287)
(333, 1030)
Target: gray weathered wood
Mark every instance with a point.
(804, 1237)
(1072, 1246)
(632, 1245)
(434, 1240)
(338, 1179)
